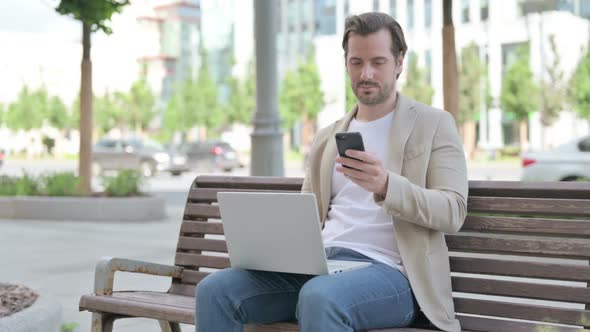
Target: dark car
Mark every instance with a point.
(147, 156)
(211, 155)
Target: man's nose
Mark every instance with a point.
(367, 72)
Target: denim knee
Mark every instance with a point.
(315, 300)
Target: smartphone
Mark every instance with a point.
(349, 141)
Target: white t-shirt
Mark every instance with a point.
(354, 220)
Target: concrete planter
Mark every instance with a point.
(44, 315)
(83, 208)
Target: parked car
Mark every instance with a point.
(145, 155)
(1, 158)
(567, 162)
(211, 155)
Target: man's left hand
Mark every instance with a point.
(368, 172)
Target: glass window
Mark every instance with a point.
(346, 7)
(393, 8)
(410, 14)
(375, 5)
(484, 9)
(428, 64)
(585, 8)
(565, 5)
(465, 11)
(427, 13)
(585, 145)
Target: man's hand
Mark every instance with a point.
(368, 172)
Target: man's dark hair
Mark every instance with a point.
(368, 23)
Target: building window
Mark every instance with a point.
(346, 8)
(410, 14)
(566, 5)
(465, 11)
(585, 9)
(393, 8)
(484, 10)
(375, 5)
(427, 13)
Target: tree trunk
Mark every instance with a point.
(85, 158)
(450, 73)
(524, 136)
(469, 133)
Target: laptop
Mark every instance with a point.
(277, 232)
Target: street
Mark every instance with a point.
(58, 257)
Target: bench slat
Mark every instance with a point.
(565, 272)
(528, 226)
(556, 247)
(190, 243)
(196, 210)
(521, 289)
(202, 227)
(197, 260)
(573, 190)
(192, 277)
(248, 182)
(523, 311)
(493, 325)
(209, 195)
(532, 206)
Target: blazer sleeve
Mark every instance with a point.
(442, 205)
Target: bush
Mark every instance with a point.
(61, 184)
(27, 186)
(7, 185)
(125, 183)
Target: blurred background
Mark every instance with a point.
(174, 96)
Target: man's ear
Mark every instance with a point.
(400, 64)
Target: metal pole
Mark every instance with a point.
(267, 138)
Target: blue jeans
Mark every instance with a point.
(374, 297)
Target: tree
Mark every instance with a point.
(579, 87)
(519, 95)
(208, 112)
(242, 98)
(350, 97)
(57, 113)
(553, 89)
(450, 77)
(28, 111)
(109, 112)
(180, 114)
(301, 98)
(471, 78)
(140, 104)
(417, 85)
(94, 16)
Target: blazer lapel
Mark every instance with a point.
(328, 160)
(404, 118)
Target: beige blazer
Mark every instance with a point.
(426, 196)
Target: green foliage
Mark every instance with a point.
(417, 85)
(179, 116)
(579, 87)
(57, 113)
(28, 110)
(301, 96)
(125, 183)
(69, 327)
(471, 76)
(242, 98)
(208, 112)
(27, 185)
(109, 111)
(2, 114)
(7, 185)
(519, 95)
(60, 184)
(140, 104)
(350, 97)
(553, 89)
(95, 13)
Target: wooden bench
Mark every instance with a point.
(520, 262)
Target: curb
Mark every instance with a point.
(83, 208)
(43, 316)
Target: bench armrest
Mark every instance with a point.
(104, 274)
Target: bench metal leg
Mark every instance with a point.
(167, 326)
(102, 322)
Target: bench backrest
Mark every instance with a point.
(522, 253)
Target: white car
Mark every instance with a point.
(567, 162)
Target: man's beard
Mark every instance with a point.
(384, 92)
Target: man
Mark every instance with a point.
(390, 206)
